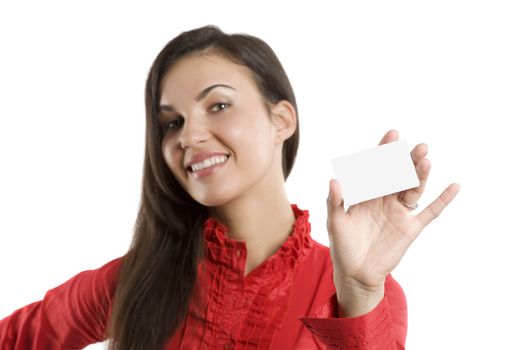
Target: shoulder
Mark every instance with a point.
(109, 271)
(89, 284)
(102, 277)
(92, 289)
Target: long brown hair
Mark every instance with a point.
(158, 273)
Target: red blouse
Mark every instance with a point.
(287, 302)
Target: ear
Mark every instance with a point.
(284, 117)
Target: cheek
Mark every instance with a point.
(251, 142)
(170, 156)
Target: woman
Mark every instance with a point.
(220, 258)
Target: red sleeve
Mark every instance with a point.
(71, 316)
(384, 327)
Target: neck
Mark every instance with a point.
(262, 220)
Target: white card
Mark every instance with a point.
(375, 172)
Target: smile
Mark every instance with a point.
(207, 163)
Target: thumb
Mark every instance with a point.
(335, 206)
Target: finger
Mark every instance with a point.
(412, 195)
(422, 167)
(434, 209)
(390, 136)
(335, 207)
(418, 153)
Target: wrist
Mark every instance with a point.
(354, 302)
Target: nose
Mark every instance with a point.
(192, 133)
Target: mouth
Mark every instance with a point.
(207, 163)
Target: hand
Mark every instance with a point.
(369, 239)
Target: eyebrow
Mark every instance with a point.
(199, 97)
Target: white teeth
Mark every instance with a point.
(209, 162)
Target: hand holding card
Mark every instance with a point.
(368, 240)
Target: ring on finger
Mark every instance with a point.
(407, 205)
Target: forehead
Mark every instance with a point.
(191, 74)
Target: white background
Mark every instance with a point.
(448, 73)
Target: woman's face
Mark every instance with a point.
(199, 116)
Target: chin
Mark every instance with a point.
(213, 199)
(218, 193)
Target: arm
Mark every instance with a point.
(70, 316)
(367, 241)
(384, 327)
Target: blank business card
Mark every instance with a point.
(375, 172)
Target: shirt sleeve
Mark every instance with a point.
(384, 327)
(70, 316)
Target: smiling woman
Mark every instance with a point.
(220, 258)
(243, 133)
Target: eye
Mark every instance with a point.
(223, 105)
(173, 124)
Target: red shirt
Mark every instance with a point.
(287, 302)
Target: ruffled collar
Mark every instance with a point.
(232, 253)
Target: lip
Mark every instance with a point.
(206, 172)
(198, 157)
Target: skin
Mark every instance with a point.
(250, 187)
(367, 240)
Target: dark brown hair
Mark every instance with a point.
(158, 273)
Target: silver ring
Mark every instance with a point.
(407, 205)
